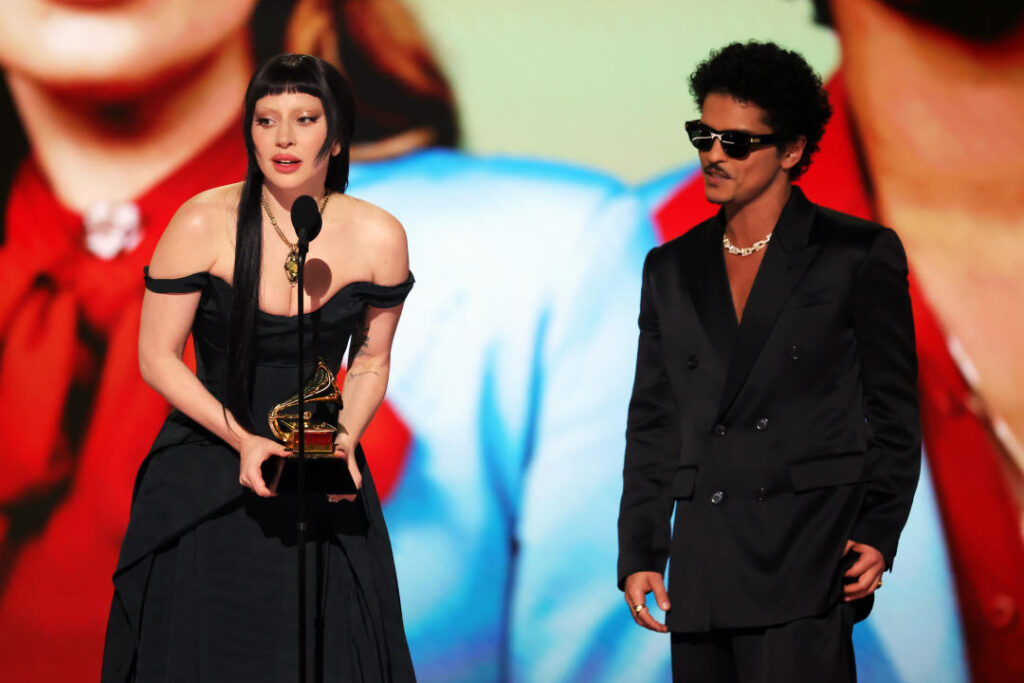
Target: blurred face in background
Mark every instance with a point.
(113, 45)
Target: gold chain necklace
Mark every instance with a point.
(291, 263)
(745, 251)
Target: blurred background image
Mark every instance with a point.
(535, 152)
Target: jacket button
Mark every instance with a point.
(794, 352)
(762, 494)
(761, 424)
(717, 497)
(692, 362)
(719, 430)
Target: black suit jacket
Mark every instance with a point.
(777, 439)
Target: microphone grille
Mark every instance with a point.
(306, 218)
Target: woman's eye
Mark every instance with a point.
(308, 119)
(262, 121)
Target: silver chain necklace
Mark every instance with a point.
(744, 251)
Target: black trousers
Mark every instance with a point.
(815, 649)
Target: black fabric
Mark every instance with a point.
(206, 582)
(179, 285)
(809, 650)
(776, 440)
(381, 296)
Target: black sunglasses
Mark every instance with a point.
(735, 143)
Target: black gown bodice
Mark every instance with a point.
(326, 330)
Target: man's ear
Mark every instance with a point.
(793, 152)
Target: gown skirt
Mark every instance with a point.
(222, 601)
(217, 600)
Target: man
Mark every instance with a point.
(774, 401)
(909, 79)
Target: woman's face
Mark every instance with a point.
(288, 131)
(120, 44)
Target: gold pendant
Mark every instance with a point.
(291, 266)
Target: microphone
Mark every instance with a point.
(306, 220)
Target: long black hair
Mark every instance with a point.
(288, 73)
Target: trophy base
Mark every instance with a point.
(323, 475)
(319, 442)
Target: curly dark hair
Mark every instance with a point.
(777, 80)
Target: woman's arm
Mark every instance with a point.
(370, 351)
(192, 243)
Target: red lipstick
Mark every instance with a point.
(286, 163)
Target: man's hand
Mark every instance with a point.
(867, 571)
(637, 586)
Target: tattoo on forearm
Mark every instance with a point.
(361, 339)
(364, 372)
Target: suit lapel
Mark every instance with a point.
(708, 284)
(785, 261)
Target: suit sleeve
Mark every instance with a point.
(884, 327)
(652, 439)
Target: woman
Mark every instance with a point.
(206, 582)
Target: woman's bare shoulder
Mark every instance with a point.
(199, 234)
(382, 237)
(374, 225)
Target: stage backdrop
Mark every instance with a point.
(555, 159)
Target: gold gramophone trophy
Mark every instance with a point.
(321, 391)
(325, 472)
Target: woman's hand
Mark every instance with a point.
(253, 451)
(343, 450)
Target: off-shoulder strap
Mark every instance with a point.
(178, 285)
(384, 296)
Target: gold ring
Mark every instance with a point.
(639, 608)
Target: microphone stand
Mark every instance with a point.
(303, 249)
(306, 220)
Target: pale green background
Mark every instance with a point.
(597, 82)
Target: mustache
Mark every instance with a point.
(714, 167)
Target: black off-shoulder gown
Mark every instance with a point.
(206, 586)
